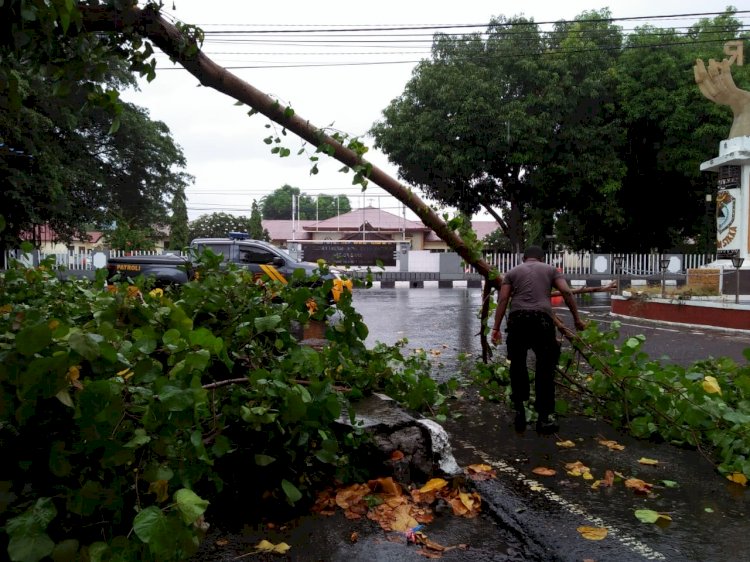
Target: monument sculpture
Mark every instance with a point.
(717, 84)
(733, 163)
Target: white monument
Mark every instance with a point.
(732, 165)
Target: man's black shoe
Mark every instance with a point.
(519, 422)
(547, 425)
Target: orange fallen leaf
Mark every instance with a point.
(480, 472)
(609, 478)
(577, 468)
(387, 485)
(433, 484)
(644, 460)
(593, 533)
(611, 445)
(397, 455)
(738, 478)
(638, 485)
(544, 471)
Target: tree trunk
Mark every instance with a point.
(172, 41)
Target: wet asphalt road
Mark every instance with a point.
(446, 321)
(709, 514)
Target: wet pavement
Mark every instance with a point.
(525, 516)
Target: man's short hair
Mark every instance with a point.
(534, 252)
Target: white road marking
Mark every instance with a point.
(628, 541)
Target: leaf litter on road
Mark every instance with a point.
(384, 501)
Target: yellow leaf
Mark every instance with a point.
(74, 373)
(611, 445)
(5, 309)
(160, 488)
(434, 484)
(711, 385)
(402, 519)
(53, 324)
(267, 546)
(156, 293)
(544, 471)
(593, 533)
(588, 476)
(644, 460)
(565, 444)
(738, 477)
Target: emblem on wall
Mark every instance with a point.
(726, 206)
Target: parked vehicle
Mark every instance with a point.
(257, 256)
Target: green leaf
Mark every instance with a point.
(267, 323)
(84, 345)
(190, 505)
(292, 492)
(33, 339)
(670, 484)
(650, 516)
(31, 547)
(28, 541)
(115, 126)
(66, 551)
(150, 524)
(632, 343)
(264, 460)
(140, 438)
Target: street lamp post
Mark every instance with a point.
(663, 265)
(617, 260)
(737, 264)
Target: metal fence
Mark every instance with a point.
(71, 261)
(587, 263)
(570, 263)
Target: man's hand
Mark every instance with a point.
(580, 324)
(496, 337)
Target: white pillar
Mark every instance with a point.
(732, 201)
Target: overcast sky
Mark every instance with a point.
(330, 80)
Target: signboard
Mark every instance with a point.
(350, 252)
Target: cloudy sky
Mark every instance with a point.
(336, 80)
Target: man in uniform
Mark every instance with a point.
(530, 326)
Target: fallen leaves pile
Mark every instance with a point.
(406, 512)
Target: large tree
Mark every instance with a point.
(670, 129)
(255, 224)
(179, 230)
(83, 171)
(218, 225)
(280, 203)
(564, 132)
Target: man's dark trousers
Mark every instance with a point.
(533, 330)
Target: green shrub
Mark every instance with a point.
(125, 412)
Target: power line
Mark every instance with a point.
(391, 27)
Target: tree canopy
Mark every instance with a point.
(90, 163)
(280, 203)
(577, 131)
(218, 225)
